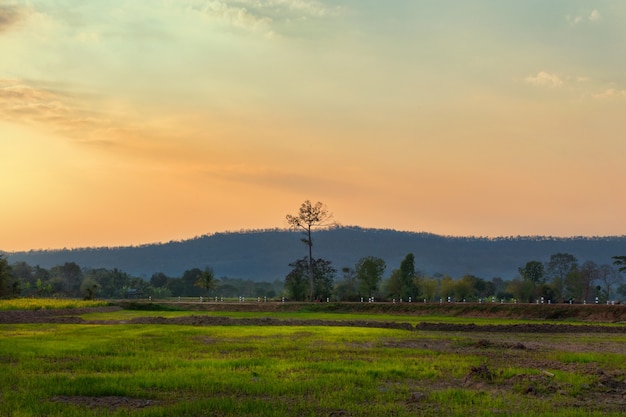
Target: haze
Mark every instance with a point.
(128, 122)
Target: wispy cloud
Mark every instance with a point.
(582, 87)
(610, 93)
(261, 16)
(10, 16)
(544, 78)
(61, 112)
(232, 14)
(593, 16)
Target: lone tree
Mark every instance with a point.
(308, 218)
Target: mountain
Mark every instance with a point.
(265, 255)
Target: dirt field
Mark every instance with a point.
(595, 313)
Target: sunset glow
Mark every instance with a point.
(130, 122)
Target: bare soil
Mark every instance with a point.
(72, 316)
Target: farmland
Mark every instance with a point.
(318, 360)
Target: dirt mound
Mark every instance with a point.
(71, 316)
(50, 316)
(521, 328)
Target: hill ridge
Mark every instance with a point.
(265, 254)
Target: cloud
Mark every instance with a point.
(34, 104)
(610, 93)
(261, 16)
(593, 16)
(300, 7)
(9, 16)
(234, 15)
(544, 78)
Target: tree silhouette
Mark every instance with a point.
(310, 217)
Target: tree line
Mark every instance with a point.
(71, 280)
(560, 279)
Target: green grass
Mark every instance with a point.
(48, 304)
(282, 371)
(302, 371)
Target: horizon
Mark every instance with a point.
(125, 122)
(329, 228)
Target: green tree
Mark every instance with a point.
(446, 288)
(533, 271)
(89, 288)
(159, 280)
(72, 274)
(111, 282)
(394, 285)
(470, 287)
(463, 289)
(523, 289)
(608, 277)
(296, 281)
(408, 277)
(496, 287)
(188, 282)
(158, 292)
(6, 278)
(310, 217)
(206, 280)
(559, 265)
(369, 271)
(324, 278)
(589, 273)
(428, 287)
(347, 288)
(23, 272)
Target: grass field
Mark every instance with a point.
(47, 304)
(166, 370)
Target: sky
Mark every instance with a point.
(126, 122)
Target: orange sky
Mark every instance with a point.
(124, 122)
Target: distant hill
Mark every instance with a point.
(265, 255)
